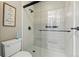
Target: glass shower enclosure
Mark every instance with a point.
(54, 28)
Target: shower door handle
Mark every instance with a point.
(77, 28)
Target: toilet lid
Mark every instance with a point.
(22, 54)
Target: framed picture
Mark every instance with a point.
(9, 15)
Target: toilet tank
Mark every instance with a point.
(11, 47)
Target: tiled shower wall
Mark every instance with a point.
(77, 24)
(27, 21)
(69, 22)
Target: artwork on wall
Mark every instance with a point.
(9, 15)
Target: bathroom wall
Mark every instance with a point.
(69, 23)
(7, 33)
(27, 21)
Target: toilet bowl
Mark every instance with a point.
(12, 48)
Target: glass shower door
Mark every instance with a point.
(52, 28)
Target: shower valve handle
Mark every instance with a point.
(77, 28)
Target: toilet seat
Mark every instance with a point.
(22, 54)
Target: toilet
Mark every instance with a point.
(12, 48)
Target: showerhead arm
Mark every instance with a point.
(31, 3)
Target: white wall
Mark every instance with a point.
(27, 34)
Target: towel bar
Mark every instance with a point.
(57, 30)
